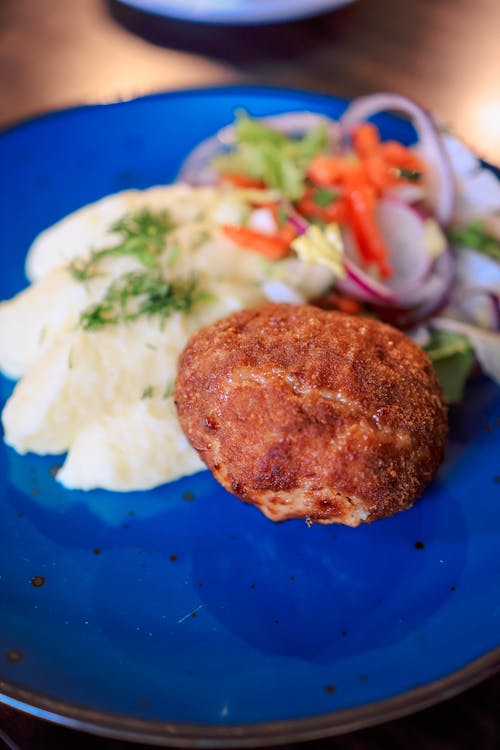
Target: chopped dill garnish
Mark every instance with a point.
(201, 239)
(142, 293)
(148, 392)
(169, 389)
(413, 175)
(41, 337)
(173, 255)
(282, 216)
(142, 236)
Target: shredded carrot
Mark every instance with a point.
(271, 246)
(336, 211)
(376, 163)
(360, 179)
(329, 170)
(356, 176)
(361, 202)
(334, 300)
(272, 207)
(378, 173)
(366, 139)
(376, 167)
(242, 180)
(287, 233)
(397, 155)
(347, 305)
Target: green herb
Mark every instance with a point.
(317, 221)
(148, 392)
(142, 236)
(173, 255)
(41, 337)
(201, 239)
(323, 197)
(141, 293)
(282, 216)
(266, 154)
(169, 389)
(475, 236)
(413, 175)
(453, 359)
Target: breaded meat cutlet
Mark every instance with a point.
(314, 414)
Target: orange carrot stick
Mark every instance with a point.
(271, 246)
(397, 155)
(361, 201)
(336, 211)
(241, 180)
(329, 170)
(366, 139)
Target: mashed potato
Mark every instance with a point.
(101, 391)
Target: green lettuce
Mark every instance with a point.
(475, 236)
(453, 358)
(273, 157)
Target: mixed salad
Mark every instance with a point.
(411, 233)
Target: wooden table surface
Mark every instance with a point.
(445, 53)
(55, 53)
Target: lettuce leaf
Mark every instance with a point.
(474, 235)
(453, 358)
(273, 157)
(322, 246)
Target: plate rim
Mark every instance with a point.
(246, 15)
(256, 734)
(220, 89)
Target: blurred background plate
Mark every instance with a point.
(181, 615)
(237, 11)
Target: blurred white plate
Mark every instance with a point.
(237, 11)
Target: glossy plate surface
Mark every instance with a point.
(237, 11)
(180, 614)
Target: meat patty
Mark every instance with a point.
(314, 414)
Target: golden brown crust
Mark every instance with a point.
(312, 413)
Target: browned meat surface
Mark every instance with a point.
(312, 414)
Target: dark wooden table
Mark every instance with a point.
(54, 53)
(446, 53)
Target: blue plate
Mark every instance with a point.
(181, 615)
(237, 11)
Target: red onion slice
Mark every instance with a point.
(404, 232)
(417, 276)
(404, 308)
(358, 283)
(298, 222)
(440, 180)
(435, 296)
(406, 192)
(420, 284)
(481, 306)
(477, 288)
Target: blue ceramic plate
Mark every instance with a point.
(237, 11)
(182, 615)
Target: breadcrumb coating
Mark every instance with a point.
(314, 414)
